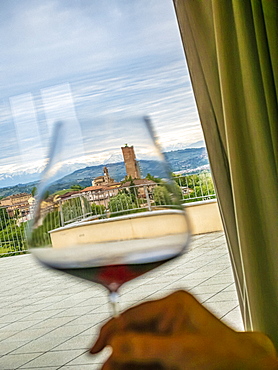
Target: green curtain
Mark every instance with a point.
(231, 49)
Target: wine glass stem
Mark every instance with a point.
(114, 298)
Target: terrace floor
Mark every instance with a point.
(49, 320)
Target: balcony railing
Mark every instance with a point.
(124, 200)
(103, 204)
(13, 238)
(196, 187)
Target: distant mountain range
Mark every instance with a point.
(183, 160)
(180, 146)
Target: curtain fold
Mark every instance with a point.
(231, 51)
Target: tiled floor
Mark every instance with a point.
(49, 320)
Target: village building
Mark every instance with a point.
(16, 204)
(102, 189)
(104, 180)
(48, 205)
(66, 196)
(143, 186)
(100, 195)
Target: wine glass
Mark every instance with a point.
(107, 209)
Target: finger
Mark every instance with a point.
(144, 315)
(131, 366)
(149, 310)
(112, 326)
(148, 349)
(179, 311)
(110, 365)
(164, 312)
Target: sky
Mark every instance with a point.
(89, 63)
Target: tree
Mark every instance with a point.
(167, 194)
(12, 236)
(40, 236)
(34, 191)
(201, 186)
(76, 187)
(98, 209)
(152, 178)
(46, 194)
(161, 196)
(133, 191)
(176, 190)
(4, 218)
(75, 208)
(121, 203)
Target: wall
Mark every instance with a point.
(156, 225)
(204, 216)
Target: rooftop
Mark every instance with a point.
(49, 320)
(16, 196)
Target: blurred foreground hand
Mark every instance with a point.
(177, 332)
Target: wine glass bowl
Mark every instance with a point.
(111, 222)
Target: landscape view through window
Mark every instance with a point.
(86, 63)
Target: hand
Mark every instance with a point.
(177, 332)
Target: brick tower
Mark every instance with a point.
(131, 165)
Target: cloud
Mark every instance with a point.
(119, 58)
(54, 40)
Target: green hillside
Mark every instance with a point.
(185, 159)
